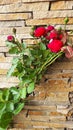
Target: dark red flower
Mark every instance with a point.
(60, 36)
(40, 31)
(49, 28)
(53, 34)
(55, 45)
(10, 38)
(47, 37)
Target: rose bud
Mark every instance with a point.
(68, 50)
(10, 38)
(49, 28)
(40, 31)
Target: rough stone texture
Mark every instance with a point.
(52, 14)
(47, 21)
(4, 2)
(15, 16)
(61, 5)
(22, 7)
(51, 105)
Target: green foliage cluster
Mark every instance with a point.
(29, 66)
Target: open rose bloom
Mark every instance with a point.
(56, 40)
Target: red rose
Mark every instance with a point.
(49, 28)
(55, 45)
(53, 34)
(10, 38)
(40, 31)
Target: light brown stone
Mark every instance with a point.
(5, 59)
(4, 2)
(61, 5)
(52, 14)
(15, 16)
(57, 96)
(41, 107)
(7, 85)
(3, 72)
(8, 80)
(34, 0)
(19, 30)
(47, 21)
(38, 124)
(22, 7)
(63, 109)
(3, 49)
(5, 65)
(4, 24)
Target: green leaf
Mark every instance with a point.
(2, 106)
(9, 106)
(11, 70)
(23, 92)
(42, 46)
(24, 45)
(5, 119)
(1, 95)
(2, 128)
(14, 90)
(15, 60)
(10, 44)
(6, 94)
(18, 108)
(13, 50)
(30, 88)
(16, 97)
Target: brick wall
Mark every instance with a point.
(51, 105)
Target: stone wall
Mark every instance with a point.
(51, 105)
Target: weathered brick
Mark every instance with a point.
(2, 2)
(3, 49)
(52, 14)
(57, 96)
(1, 54)
(58, 75)
(5, 59)
(47, 21)
(21, 7)
(15, 16)
(7, 24)
(20, 30)
(39, 124)
(41, 107)
(40, 118)
(7, 85)
(3, 72)
(8, 80)
(61, 5)
(5, 65)
(63, 109)
(63, 65)
(34, 0)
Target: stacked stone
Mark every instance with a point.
(51, 106)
